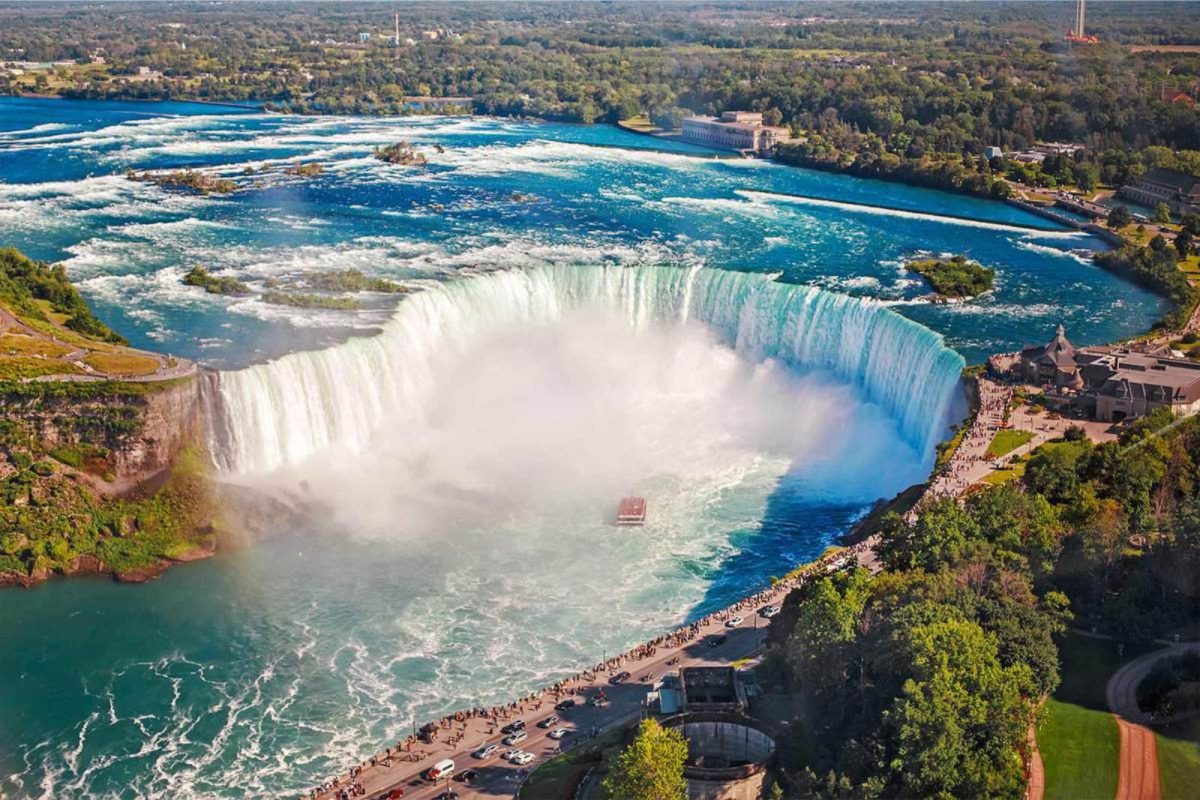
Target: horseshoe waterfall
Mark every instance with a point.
(288, 410)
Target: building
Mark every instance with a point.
(1050, 363)
(363, 38)
(711, 689)
(1058, 148)
(1113, 383)
(1176, 96)
(734, 130)
(992, 152)
(1178, 190)
(728, 754)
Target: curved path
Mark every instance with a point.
(1138, 777)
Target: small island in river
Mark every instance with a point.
(956, 278)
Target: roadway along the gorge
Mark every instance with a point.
(498, 778)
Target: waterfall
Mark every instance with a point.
(292, 408)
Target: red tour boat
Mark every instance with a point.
(631, 511)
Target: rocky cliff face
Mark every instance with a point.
(125, 434)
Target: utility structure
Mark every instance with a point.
(396, 40)
(1077, 34)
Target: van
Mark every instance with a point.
(440, 770)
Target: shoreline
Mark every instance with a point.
(378, 770)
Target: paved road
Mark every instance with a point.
(498, 778)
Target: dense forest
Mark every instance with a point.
(922, 681)
(914, 88)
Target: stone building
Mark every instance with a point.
(1178, 190)
(735, 130)
(728, 754)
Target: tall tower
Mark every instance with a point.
(396, 41)
(1079, 14)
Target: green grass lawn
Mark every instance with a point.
(1007, 441)
(1080, 748)
(1179, 760)
(1000, 477)
(1078, 737)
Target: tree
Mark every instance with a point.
(1159, 243)
(1162, 214)
(651, 768)
(961, 720)
(1191, 223)
(1119, 217)
(1183, 243)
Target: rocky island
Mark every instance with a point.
(401, 153)
(187, 180)
(954, 278)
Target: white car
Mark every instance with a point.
(558, 733)
(515, 738)
(487, 751)
(768, 611)
(733, 622)
(509, 755)
(521, 758)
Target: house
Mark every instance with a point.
(992, 152)
(735, 130)
(1176, 96)
(1178, 190)
(363, 38)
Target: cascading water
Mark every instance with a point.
(286, 411)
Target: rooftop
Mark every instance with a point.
(1178, 181)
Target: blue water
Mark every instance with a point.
(599, 196)
(465, 557)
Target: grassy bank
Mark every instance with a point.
(1179, 760)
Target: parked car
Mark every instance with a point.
(508, 754)
(549, 721)
(466, 776)
(522, 758)
(620, 677)
(515, 738)
(716, 639)
(768, 611)
(487, 751)
(563, 705)
(449, 794)
(733, 622)
(558, 733)
(514, 726)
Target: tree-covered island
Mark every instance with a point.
(955, 277)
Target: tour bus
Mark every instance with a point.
(440, 769)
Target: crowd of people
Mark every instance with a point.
(955, 478)
(452, 728)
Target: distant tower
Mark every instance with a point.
(1077, 35)
(396, 41)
